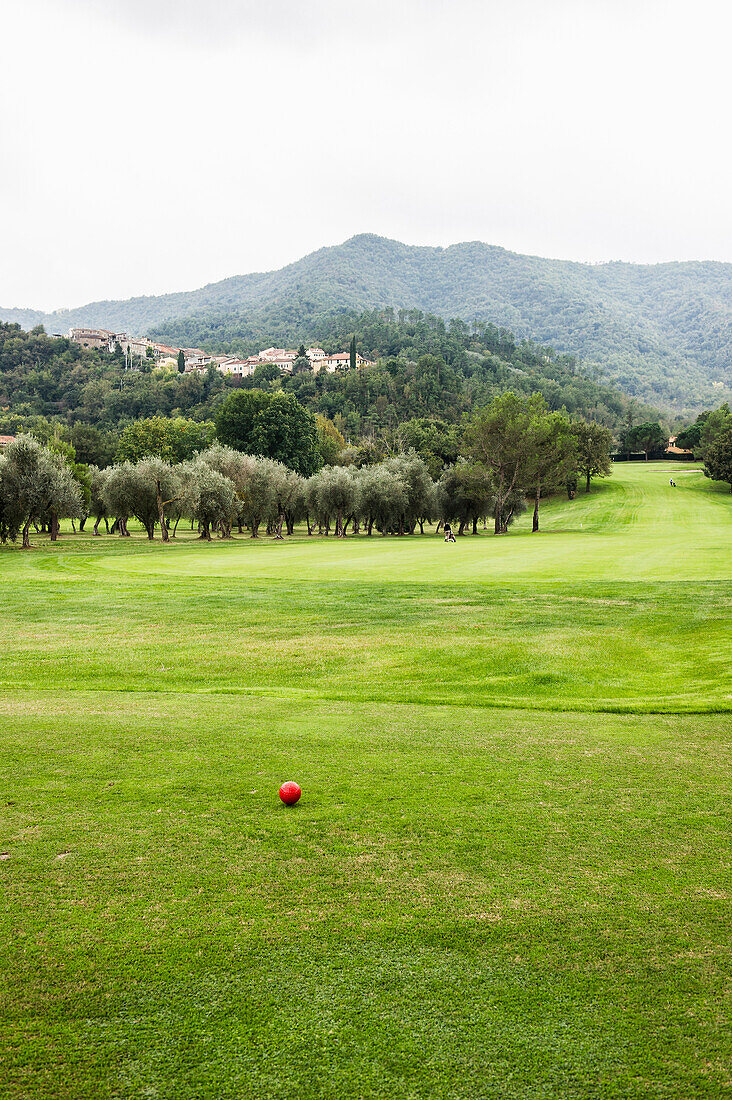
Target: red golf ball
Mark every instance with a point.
(290, 793)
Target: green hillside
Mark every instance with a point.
(662, 332)
(424, 368)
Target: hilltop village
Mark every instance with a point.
(137, 347)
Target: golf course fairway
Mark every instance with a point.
(508, 875)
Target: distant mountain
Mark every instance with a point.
(662, 332)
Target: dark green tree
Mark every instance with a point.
(647, 437)
(553, 455)
(465, 493)
(718, 458)
(181, 361)
(270, 425)
(594, 446)
(301, 364)
(500, 438)
(715, 424)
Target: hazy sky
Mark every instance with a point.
(154, 145)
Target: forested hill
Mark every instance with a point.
(662, 332)
(423, 368)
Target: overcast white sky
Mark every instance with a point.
(155, 145)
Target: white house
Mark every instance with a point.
(341, 359)
(239, 368)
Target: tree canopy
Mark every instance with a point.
(271, 425)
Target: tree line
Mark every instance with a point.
(423, 367)
(265, 472)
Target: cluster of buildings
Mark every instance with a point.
(196, 359)
(137, 347)
(280, 357)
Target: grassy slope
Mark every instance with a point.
(470, 900)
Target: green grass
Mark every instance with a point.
(509, 872)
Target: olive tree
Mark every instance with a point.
(337, 494)
(419, 489)
(98, 505)
(143, 490)
(289, 498)
(238, 468)
(259, 499)
(464, 494)
(211, 498)
(382, 498)
(116, 487)
(35, 483)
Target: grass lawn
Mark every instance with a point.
(508, 875)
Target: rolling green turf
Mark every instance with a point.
(509, 872)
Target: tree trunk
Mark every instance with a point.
(161, 514)
(587, 486)
(280, 521)
(535, 524)
(205, 532)
(26, 536)
(497, 520)
(95, 529)
(106, 524)
(54, 526)
(475, 525)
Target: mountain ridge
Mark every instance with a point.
(663, 332)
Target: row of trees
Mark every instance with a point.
(514, 448)
(223, 488)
